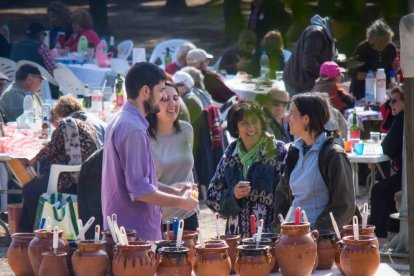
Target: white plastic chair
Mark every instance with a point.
(55, 171)
(161, 49)
(125, 49)
(42, 70)
(8, 67)
(68, 82)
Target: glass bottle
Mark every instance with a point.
(354, 131)
(167, 58)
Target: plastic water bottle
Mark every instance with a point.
(96, 102)
(370, 87)
(28, 107)
(381, 86)
(264, 66)
(58, 49)
(393, 79)
(105, 44)
(83, 44)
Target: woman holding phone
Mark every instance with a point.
(248, 173)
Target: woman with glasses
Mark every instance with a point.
(382, 194)
(248, 173)
(172, 151)
(275, 104)
(318, 174)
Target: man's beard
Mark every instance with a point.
(151, 106)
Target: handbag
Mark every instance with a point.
(62, 210)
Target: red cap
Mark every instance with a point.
(330, 69)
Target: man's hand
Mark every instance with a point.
(188, 202)
(242, 189)
(243, 63)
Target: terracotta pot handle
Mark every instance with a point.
(373, 246)
(315, 235)
(340, 245)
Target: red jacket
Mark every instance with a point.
(73, 40)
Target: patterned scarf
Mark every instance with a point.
(247, 158)
(72, 143)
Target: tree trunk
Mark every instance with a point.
(174, 6)
(99, 12)
(233, 19)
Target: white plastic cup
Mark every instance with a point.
(138, 55)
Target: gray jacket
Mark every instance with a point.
(315, 46)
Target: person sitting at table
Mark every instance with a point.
(199, 59)
(28, 79)
(199, 88)
(181, 61)
(275, 104)
(377, 51)
(255, 156)
(239, 57)
(272, 45)
(172, 151)
(60, 21)
(329, 81)
(33, 48)
(382, 194)
(68, 105)
(72, 142)
(82, 24)
(184, 84)
(318, 174)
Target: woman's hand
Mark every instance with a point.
(242, 189)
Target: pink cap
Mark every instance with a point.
(330, 70)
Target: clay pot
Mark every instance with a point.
(213, 259)
(90, 259)
(273, 237)
(252, 260)
(18, 256)
(72, 248)
(326, 249)
(265, 242)
(110, 246)
(367, 231)
(134, 259)
(190, 240)
(339, 247)
(174, 262)
(296, 249)
(360, 257)
(43, 242)
(164, 243)
(232, 241)
(54, 264)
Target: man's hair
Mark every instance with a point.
(197, 76)
(141, 74)
(66, 105)
(25, 70)
(184, 48)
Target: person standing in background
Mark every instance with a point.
(60, 21)
(377, 51)
(5, 46)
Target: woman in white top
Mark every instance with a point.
(172, 146)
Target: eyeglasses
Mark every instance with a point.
(279, 103)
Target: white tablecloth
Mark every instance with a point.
(90, 74)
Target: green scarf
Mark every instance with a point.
(247, 158)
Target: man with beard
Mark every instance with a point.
(129, 181)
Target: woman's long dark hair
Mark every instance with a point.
(153, 120)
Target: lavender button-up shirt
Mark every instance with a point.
(128, 172)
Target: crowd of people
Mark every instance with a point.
(285, 149)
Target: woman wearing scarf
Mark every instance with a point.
(256, 157)
(72, 142)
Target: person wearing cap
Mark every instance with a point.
(316, 186)
(32, 48)
(181, 61)
(28, 79)
(4, 80)
(82, 24)
(184, 84)
(315, 45)
(329, 81)
(199, 59)
(274, 105)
